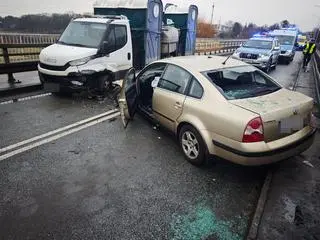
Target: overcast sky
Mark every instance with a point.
(302, 12)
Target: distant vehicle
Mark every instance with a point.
(97, 50)
(260, 51)
(302, 40)
(288, 43)
(225, 108)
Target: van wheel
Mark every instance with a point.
(192, 145)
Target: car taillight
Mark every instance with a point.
(253, 131)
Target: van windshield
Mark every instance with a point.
(286, 40)
(83, 34)
(241, 82)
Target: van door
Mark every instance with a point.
(119, 53)
(128, 100)
(169, 96)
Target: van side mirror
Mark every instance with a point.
(276, 48)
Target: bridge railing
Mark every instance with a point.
(316, 73)
(20, 52)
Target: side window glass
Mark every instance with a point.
(175, 79)
(120, 36)
(153, 71)
(259, 78)
(196, 89)
(131, 80)
(111, 39)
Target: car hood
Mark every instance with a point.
(59, 55)
(286, 47)
(277, 105)
(253, 50)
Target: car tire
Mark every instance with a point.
(269, 65)
(192, 145)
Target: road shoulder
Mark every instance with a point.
(293, 203)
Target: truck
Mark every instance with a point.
(93, 52)
(288, 43)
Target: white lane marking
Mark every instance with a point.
(25, 98)
(16, 145)
(55, 137)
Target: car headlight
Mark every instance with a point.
(80, 61)
(264, 55)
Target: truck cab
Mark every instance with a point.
(95, 51)
(89, 49)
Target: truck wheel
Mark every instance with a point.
(192, 145)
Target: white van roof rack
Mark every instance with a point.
(119, 17)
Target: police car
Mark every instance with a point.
(261, 51)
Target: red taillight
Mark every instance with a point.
(253, 131)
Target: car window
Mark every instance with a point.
(130, 80)
(242, 82)
(175, 79)
(152, 71)
(195, 89)
(121, 36)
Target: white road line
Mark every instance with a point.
(55, 137)
(16, 145)
(25, 98)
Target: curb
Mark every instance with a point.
(253, 231)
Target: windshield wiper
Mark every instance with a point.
(72, 44)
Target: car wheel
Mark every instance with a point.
(193, 146)
(268, 68)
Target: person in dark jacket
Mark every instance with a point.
(308, 50)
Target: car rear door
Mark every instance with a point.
(169, 95)
(128, 100)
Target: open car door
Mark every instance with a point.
(128, 99)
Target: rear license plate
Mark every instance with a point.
(288, 125)
(51, 87)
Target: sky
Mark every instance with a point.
(302, 12)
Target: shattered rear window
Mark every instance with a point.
(242, 82)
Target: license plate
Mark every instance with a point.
(288, 125)
(51, 87)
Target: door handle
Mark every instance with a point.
(177, 105)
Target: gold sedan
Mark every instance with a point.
(223, 108)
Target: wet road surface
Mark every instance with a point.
(104, 182)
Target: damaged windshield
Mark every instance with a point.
(241, 82)
(83, 34)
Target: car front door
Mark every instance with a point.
(169, 95)
(128, 99)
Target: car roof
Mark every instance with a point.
(203, 63)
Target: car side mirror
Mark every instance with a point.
(296, 45)
(276, 48)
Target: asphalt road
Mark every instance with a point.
(106, 182)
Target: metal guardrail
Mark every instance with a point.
(316, 73)
(20, 52)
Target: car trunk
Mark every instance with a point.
(283, 112)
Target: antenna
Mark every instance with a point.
(225, 61)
